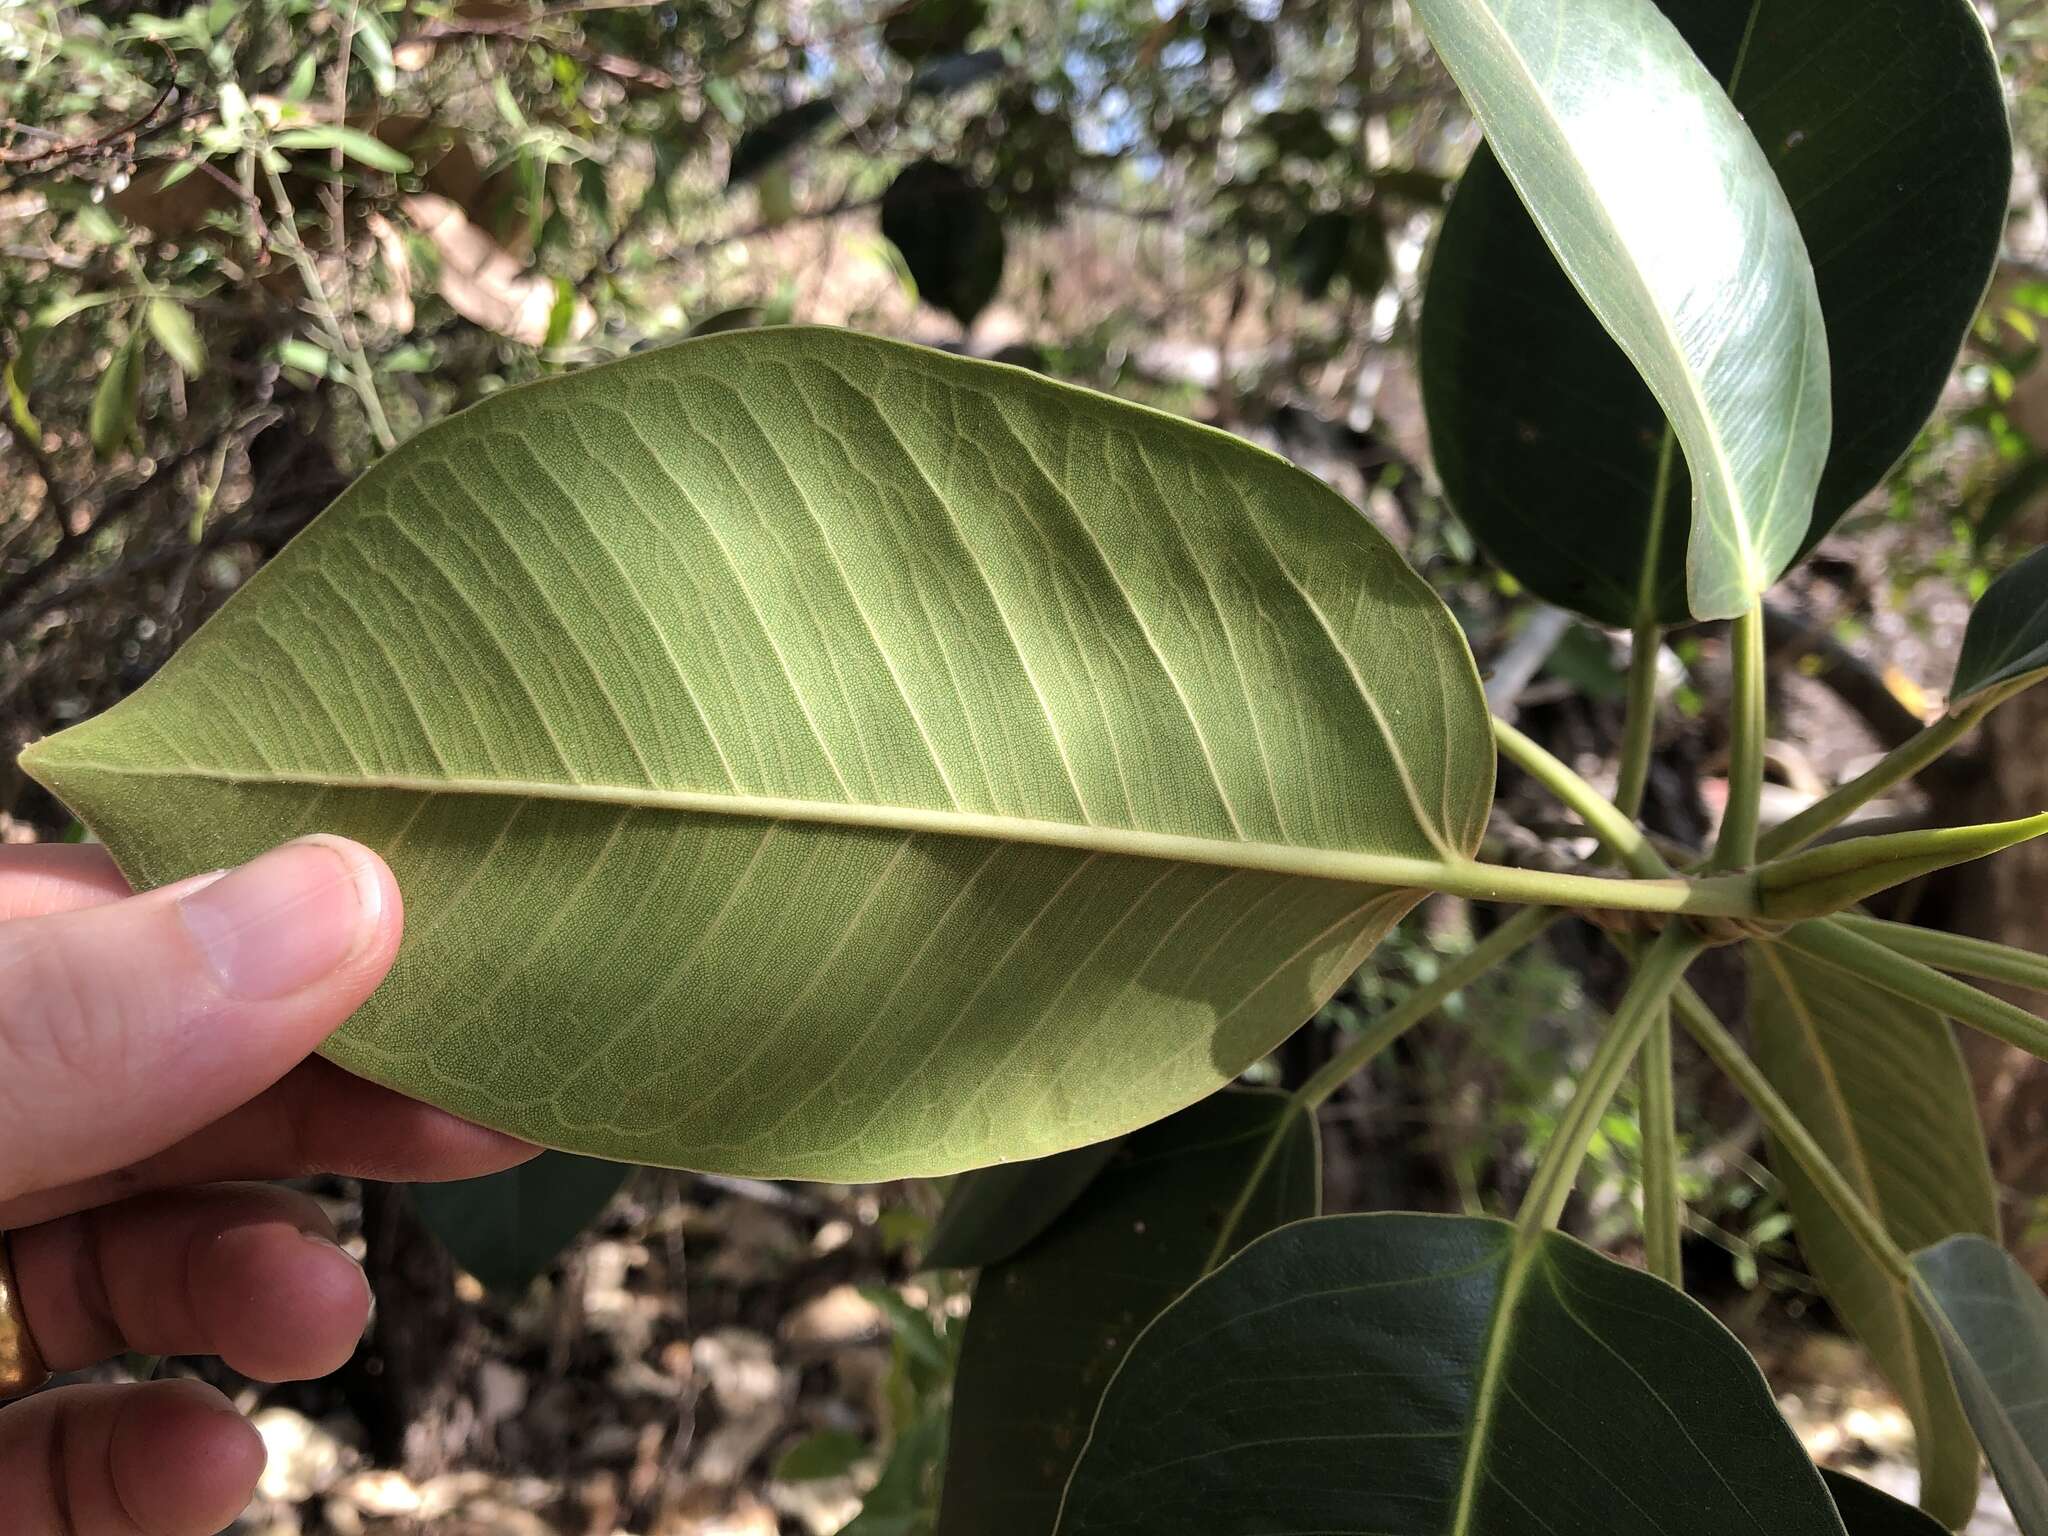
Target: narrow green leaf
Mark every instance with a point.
(372, 46)
(1049, 1326)
(508, 1228)
(1902, 976)
(171, 324)
(352, 142)
(115, 400)
(1368, 1375)
(1993, 1323)
(1886, 126)
(807, 755)
(2005, 643)
(1882, 1087)
(307, 356)
(1868, 1511)
(993, 1213)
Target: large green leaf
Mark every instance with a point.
(1993, 1324)
(1049, 1326)
(508, 1228)
(1882, 1086)
(1886, 126)
(1405, 1375)
(2006, 640)
(808, 755)
(992, 1213)
(1660, 207)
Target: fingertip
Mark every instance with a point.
(285, 1304)
(181, 1460)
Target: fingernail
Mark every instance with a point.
(286, 919)
(329, 1245)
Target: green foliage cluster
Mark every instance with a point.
(810, 756)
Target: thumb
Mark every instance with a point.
(126, 1027)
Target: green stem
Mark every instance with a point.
(1736, 846)
(1789, 1131)
(1846, 950)
(1898, 765)
(1558, 1170)
(1622, 838)
(1953, 952)
(1639, 732)
(360, 378)
(1663, 1204)
(1497, 947)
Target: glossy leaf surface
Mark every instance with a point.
(508, 1228)
(2006, 640)
(1885, 122)
(1050, 1326)
(1993, 1323)
(1882, 1086)
(806, 755)
(1658, 204)
(992, 1213)
(1406, 1375)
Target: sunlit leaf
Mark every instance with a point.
(1882, 1086)
(1422, 1375)
(2006, 640)
(808, 755)
(1049, 1326)
(1886, 126)
(171, 324)
(1993, 1324)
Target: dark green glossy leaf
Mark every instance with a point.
(1406, 1375)
(2006, 641)
(1049, 1326)
(1868, 1511)
(508, 1228)
(1993, 1324)
(950, 235)
(1885, 122)
(991, 1213)
(1882, 1087)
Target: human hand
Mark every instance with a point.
(152, 1047)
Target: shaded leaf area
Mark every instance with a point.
(807, 755)
(1652, 194)
(1407, 1375)
(768, 142)
(1882, 1086)
(1868, 1511)
(1993, 1324)
(950, 235)
(508, 1228)
(1885, 123)
(991, 1213)
(917, 29)
(2006, 640)
(1049, 1327)
(1351, 245)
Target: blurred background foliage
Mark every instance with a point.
(247, 247)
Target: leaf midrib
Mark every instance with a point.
(1745, 553)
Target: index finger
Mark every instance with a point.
(37, 879)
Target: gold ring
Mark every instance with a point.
(21, 1364)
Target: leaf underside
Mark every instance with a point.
(1882, 1086)
(1049, 1326)
(1402, 1375)
(759, 729)
(1886, 127)
(1993, 1324)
